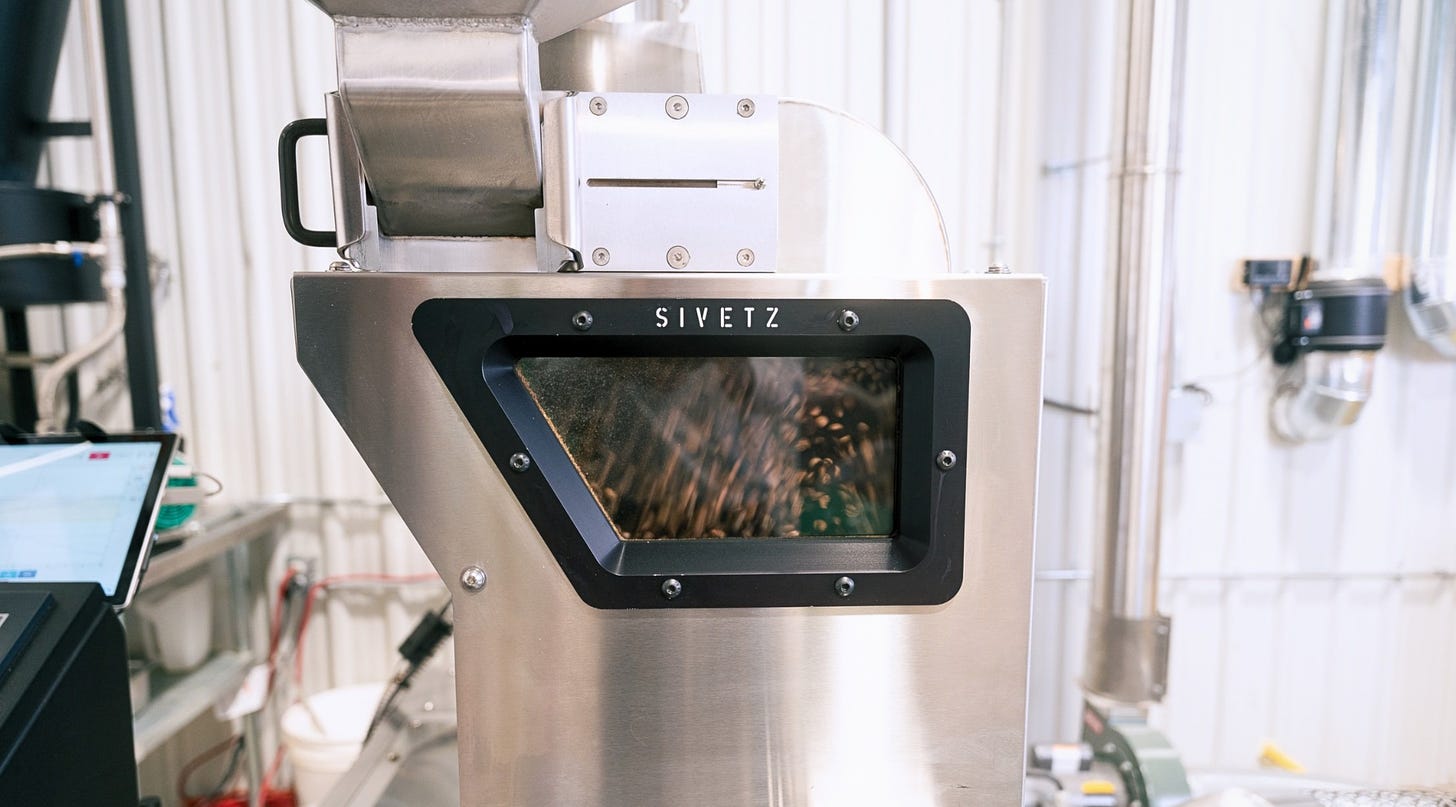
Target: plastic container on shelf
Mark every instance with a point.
(177, 622)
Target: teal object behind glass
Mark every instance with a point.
(172, 516)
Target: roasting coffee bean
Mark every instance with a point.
(717, 448)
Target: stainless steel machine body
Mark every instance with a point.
(564, 703)
(724, 665)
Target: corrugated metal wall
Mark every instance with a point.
(215, 83)
(1310, 586)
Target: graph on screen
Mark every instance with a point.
(68, 512)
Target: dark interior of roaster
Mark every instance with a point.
(729, 447)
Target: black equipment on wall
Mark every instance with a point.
(1333, 315)
(65, 698)
(30, 215)
(32, 33)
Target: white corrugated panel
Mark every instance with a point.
(1353, 677)
(215, 83)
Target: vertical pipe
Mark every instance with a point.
(239, 573)
(98, 104)
(1127, 637)
(1333, 385)
(140, 333)
(22, 379)
(1362, 140)
(73, 397)
(996, 237)
(1430, 217)
(896, 66)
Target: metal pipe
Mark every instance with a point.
(331, 501)
(1430, 575)
(1430, 219)
(22, 379)
(49, 390)
(996, 237)
(239, 568)
(1331, 389)
(99, 107)
(24, 360)
(1362, 140)
(1330, 396)
(383, 585)
(895, 69)
(113, 267)
(1127, 637)
(141, 339)
(50, 249)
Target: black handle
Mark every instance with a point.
(288, 181)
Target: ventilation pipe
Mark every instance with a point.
(1127, 641)
(1001, 138)
(1336, 323)
(1430, 293)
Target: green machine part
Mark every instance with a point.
(1151, 769)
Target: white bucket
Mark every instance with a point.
(323, 736)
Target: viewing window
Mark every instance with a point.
(695, 449)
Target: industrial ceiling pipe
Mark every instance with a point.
(1430, 294)
(1335, 325)
(1000, 138)
(1127, 642)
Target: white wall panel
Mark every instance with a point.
(1068, 136)
(1307, 665)
(1352, 676)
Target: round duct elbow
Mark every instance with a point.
(1330, 395)
(1332, 329)
(1430, 305)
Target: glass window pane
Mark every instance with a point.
(728, 447)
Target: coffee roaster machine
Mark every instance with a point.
(731, 480)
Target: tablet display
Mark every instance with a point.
(78, 510)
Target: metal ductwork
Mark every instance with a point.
(1339, 318)
(1127, 642)
(1430, 293)
(1127, 637)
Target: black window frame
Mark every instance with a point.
(474, 345)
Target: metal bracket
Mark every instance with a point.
(654, 181)
(1127, 659)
